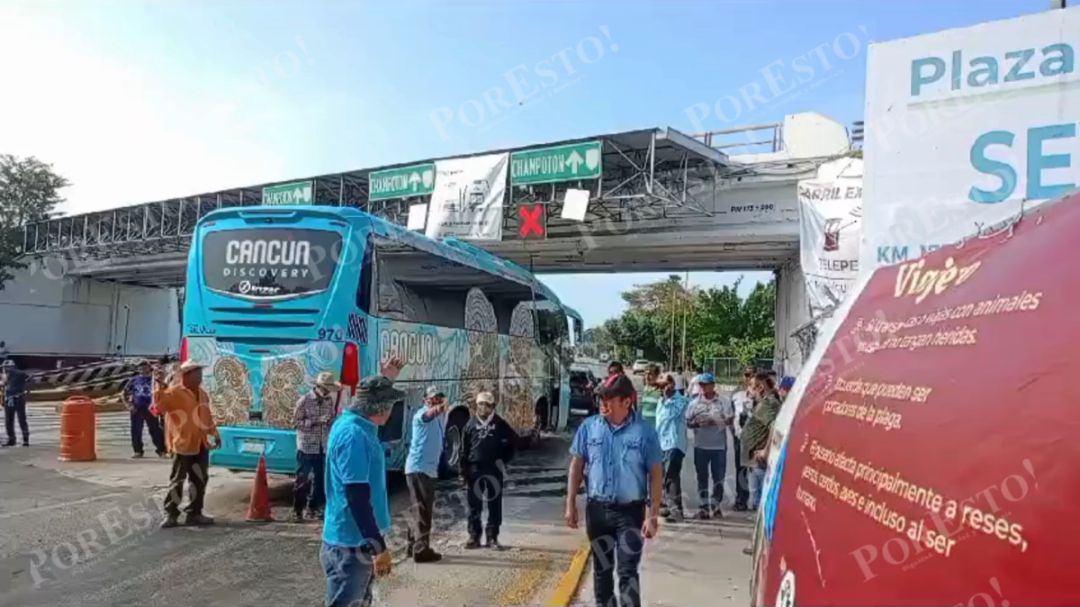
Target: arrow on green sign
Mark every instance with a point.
(289, 194)
(571, 162)
(404, 182)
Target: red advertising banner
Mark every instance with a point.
(934, 458)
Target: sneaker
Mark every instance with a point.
(10, 443)
(701, 515)
(26, 443)
(748, 551)
(170, 522)
(472, 544)
(427, 555)
(315, 515)
(198, 520)
(296, 518)
(137, 456)
(163, 454)
(665, 512)
(493, 543)
(739, 508)
(717, 514)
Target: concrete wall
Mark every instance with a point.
(792, 311)
(44, 315)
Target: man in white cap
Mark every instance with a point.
(422, 470)
(191, 425)
(487, 447)
(312, 417)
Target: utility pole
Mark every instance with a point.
(671, 342)
(686, 306)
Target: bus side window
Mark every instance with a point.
(367, 272)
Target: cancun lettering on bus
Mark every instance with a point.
(268, 252)
(411, 348)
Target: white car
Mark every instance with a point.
(640, 367)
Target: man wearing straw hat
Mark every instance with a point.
(191, 425)
(312, 417)
(357, 506)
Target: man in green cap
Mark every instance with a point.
(357, 507)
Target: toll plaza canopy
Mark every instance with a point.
(643, 183)
(928, 455)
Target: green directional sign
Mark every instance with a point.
(301, 192)
(559, 163)
(402, 182)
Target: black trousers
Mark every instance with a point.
(484, 487)
(742, 488)
(195, 470)
(142, 417)
(422, 494)
(673, 461)
(308, 490)
(15, 407)
(614, 530)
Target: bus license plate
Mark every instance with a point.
(256, 447)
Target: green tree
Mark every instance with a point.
(29, 191)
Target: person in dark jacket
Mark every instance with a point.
(487, 446)
(15, 403)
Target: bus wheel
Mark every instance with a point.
(452, 443)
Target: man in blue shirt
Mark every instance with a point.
(671, 428)
(138, 395)
(357, 507)
(421, 472)
(620, 455)
(15, 403)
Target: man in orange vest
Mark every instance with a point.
(191, 425)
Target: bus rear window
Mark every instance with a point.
(270, 262)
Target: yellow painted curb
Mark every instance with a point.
(568, 585)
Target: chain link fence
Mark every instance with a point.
(728, 371)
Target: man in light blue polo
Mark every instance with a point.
(671, 428)
(421, 472)
(357, 507)
(620, 455)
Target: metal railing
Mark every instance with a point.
(722, 139)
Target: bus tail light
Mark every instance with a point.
(350, 367)
(183, 349)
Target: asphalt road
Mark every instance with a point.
(88, 535)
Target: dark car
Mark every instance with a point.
(583, 393)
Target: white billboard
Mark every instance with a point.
(467, 201)
(830, 228)
(965, 125)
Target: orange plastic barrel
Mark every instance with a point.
(78, 430)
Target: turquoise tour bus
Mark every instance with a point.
(276, 295)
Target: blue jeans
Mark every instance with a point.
(349, 575)
(615, 533)
(757, 483)
(308, 490)
(710, 462)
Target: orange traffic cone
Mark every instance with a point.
(259, 508)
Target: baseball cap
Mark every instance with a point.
(706, 378)
(378, 390)
(433, 392)
(787, 382)
(618, 386)
(486, 397)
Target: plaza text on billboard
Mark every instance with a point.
(1023, 66)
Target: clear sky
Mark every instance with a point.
(135, 101)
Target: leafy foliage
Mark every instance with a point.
(29, 191)
(718, 323)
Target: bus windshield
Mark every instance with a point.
(269, 262)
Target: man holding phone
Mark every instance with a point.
(421, 472)
(312, 417)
